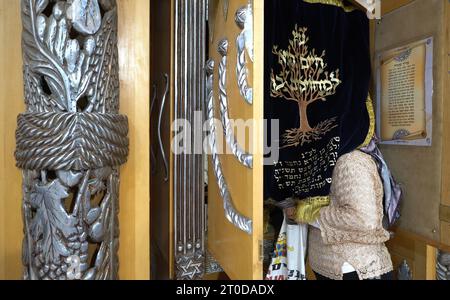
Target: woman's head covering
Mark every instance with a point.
(392, 190)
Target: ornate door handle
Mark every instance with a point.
(161, 145)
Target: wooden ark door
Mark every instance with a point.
(180, 50)
(235, 181)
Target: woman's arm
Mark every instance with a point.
(355, 213)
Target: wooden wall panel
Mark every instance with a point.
(11, 104)
(446, 71)
(445, 207)
(430, 267)
(419, 252)
(420, 256)
(388, 6)
(440, 192)
(419, 169)
(134, 52)
(445, 233)
(403, 248)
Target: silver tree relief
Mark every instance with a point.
(71, 140)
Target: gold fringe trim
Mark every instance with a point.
(371, 133)
(307, 210)
(338, 3)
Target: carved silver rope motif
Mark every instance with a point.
(238, 220)
(243, 157)
(242, 17)
(71, 140)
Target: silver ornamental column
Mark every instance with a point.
(71, 140)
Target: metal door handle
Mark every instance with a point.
(152, 152)
(161, 146)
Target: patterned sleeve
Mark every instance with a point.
(355, 213)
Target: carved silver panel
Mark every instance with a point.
(189, 93)
(71, 140)
(232, 215)
(244, 20)
(212, 265)
(443, 266)
(243, 157)
(190, 267)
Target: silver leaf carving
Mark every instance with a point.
(85, 15)
(38, 56)
(70, 69)
(41, 5)
(51, 220)
(69, 178)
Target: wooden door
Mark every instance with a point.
(238, 252)
(161, 106)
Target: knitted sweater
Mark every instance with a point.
(351, 226)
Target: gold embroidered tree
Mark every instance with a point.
(303, 79)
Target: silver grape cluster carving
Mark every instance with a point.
(71, 140)
(55, 233)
